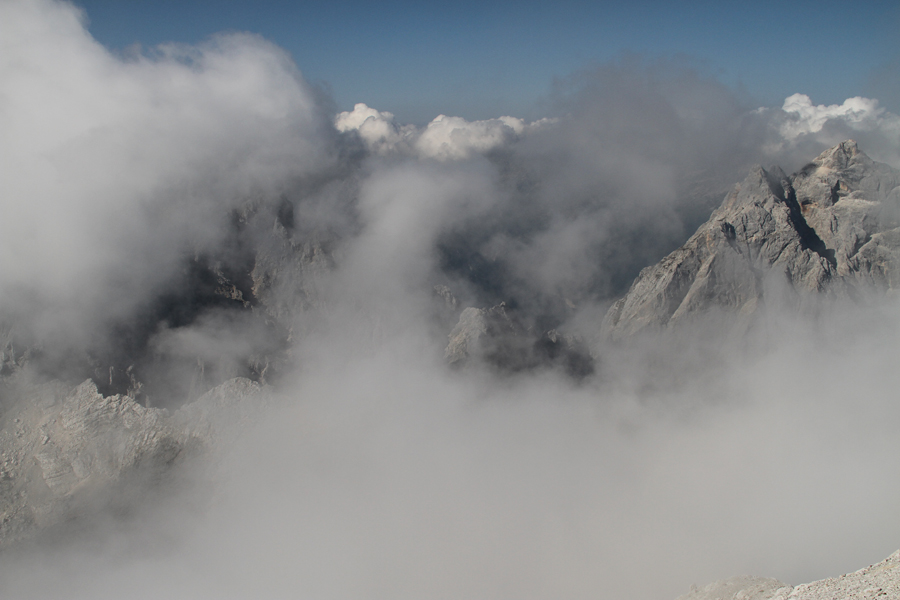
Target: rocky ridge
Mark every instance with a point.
(830, 229)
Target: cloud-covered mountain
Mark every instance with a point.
(184, 225)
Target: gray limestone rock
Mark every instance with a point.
(478, 331)
(62, 449)
(881, 580)
(829, 229)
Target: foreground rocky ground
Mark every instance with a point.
(881, 580)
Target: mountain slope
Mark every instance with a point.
(830, 228)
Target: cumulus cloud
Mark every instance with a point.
(808, 118)
(444, 138)
(455, 138)
(801, 126)
(377, 129)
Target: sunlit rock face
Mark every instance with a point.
(831, 228)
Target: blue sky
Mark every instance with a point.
(484, 59)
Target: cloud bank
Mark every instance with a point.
(128, 179)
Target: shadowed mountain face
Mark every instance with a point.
(831, 228)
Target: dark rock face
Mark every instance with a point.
(832, 228)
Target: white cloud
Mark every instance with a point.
(109, 166)
(449, 138)
(801, 127)
(377, 129)
(806, 117)
(444, 138)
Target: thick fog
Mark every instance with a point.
(379, 471)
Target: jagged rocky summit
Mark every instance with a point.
(832, 228)
(881, 580)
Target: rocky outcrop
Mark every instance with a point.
(65, 448)
(496, 337)
(881, 580)
(479, 331)
(832, 228)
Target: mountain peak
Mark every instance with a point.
(822, 229)
(840, 156)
